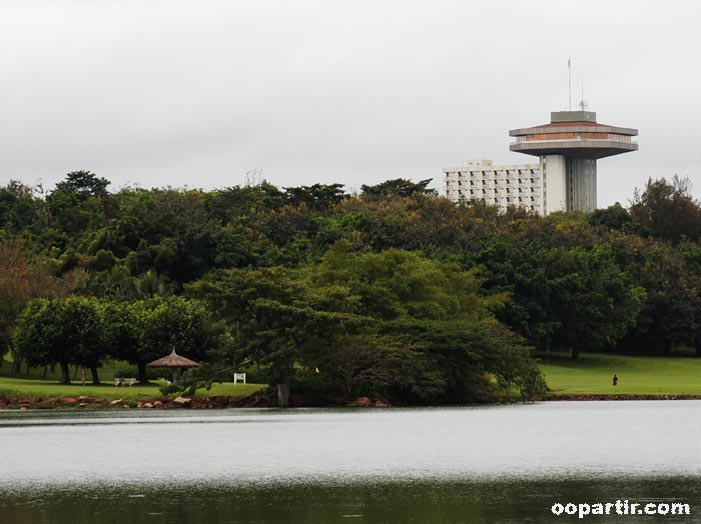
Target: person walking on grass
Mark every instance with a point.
(615, 380)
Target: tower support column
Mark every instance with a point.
(581, 184)
(554, 173)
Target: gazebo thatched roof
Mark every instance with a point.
(173, 361)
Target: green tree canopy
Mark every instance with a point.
(398, 187)
(668, 210)
(61, 331)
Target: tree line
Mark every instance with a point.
(393, 291)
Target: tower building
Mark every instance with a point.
(569, 147)
(565, 177)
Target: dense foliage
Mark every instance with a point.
(394, 292)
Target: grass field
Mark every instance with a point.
(636, 375)
(34, 385)
(50, 388)
(591, 375)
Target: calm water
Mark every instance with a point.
(493, 464)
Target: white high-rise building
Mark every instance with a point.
(502, 186)
(564, 179)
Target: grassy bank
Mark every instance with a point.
(50, 389)
(637, 375)
(590, 376)
(35, 385)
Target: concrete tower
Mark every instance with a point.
(569, 147)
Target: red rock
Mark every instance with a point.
(69, 401)
(158, 404)
(3, 405)
(361, 402)
(46, 404)
(182, 401)
(379, 403)
(148, 405)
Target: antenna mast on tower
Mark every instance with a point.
(583, 105)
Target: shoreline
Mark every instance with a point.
(582, 397)
(86, 403)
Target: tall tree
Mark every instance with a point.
(318, 197)
(18, 207)
(25, 274)
(145, 330)
(668, 209)
(573, 298)
(61, 331)
(398, 187)
(76, 204)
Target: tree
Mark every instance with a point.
(575, 298)
(357, 364)
(670, 313)
(83, 184)
(369, 322)
(273, 318)
(434, 319)
(75, 203)
(24, 275)
(595, 303)
(145, 330)
(18, 208)
(668, 210)
(61, 331)
(318, 197)
(616, 217)
(398, 187)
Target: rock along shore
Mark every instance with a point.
(257, 400)
(87, 402)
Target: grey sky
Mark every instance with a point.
(197, 93)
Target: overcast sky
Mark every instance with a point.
(197, 93)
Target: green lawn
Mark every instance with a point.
(591, 375)
(35, 385)
(50, 388)
(636, 375)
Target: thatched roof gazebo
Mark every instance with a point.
(173, 360)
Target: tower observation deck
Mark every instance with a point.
(568, 148)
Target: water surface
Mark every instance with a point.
(482, 464)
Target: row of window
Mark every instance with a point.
(514, 182)
(472, 196)
(530, 200)
(499, 173)
(521, 191)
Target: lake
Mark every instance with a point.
(508, 463)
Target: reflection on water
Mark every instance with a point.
(422, 502)
(494, 464)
